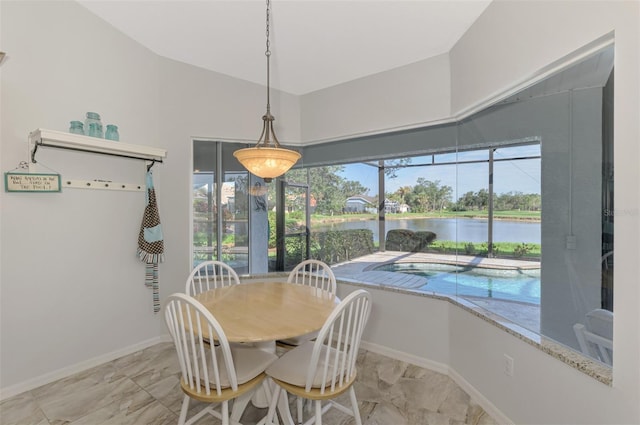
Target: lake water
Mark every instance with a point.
(450, 229)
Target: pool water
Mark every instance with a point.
(510, 285)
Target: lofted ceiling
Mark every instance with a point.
(314, 44)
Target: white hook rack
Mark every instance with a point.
(102, 185)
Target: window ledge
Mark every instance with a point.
(594, 369)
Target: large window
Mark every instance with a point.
(220, 206)
(521, 194)
(510, 208)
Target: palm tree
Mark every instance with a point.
(403, 191)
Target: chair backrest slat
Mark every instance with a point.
(594, 345)
(314, 273)
(192, 326)
(333, 360)
(210, 275)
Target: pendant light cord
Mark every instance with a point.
(268, 137)
(267, 159)
(267, 53)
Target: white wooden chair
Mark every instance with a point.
(212, 373)
(323, 369)
(210, 275)
(316, 274)
(596, 338)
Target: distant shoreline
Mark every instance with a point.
(346, 218)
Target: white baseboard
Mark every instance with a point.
(475, 395)
(445, 369)
(406, 357)
(76, 368)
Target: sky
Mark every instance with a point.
(509, 176)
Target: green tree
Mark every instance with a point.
(326, 187)
(391, 166)
(466, 201)
(437, 196)
(329, 190)
(402, 193)
(482, 199)
(353, 188)
(444, 195)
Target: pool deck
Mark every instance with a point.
(361, 270)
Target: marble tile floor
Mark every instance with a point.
(142, 388)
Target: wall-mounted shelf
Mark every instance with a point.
(78, 142)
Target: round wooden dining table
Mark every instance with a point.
(268, 311)
(264, 312)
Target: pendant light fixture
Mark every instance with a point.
(267, 159)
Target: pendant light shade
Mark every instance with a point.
(267, 163)
(267, 159)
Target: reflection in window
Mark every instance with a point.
(220, 205)
(235, 221)
(204, 201)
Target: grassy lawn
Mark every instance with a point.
(501, 215)
(500, 249)
(512, 215)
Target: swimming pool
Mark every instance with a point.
(510, 285)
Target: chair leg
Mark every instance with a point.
(283, 408)
(183, 410)
(318, 412)
(225, 412)
(272, 406)
(240, 405)
(299, 410)
(354, 406)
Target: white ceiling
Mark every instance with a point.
(314, 44)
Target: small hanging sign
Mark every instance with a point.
(28, 182)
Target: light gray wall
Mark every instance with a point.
(424, 334)
(542, 389)
(72, 286)
(379, 146)
(407, 97)
(73, 290)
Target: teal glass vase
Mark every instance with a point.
(95, 131)
(76, 127)
(112, 132)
